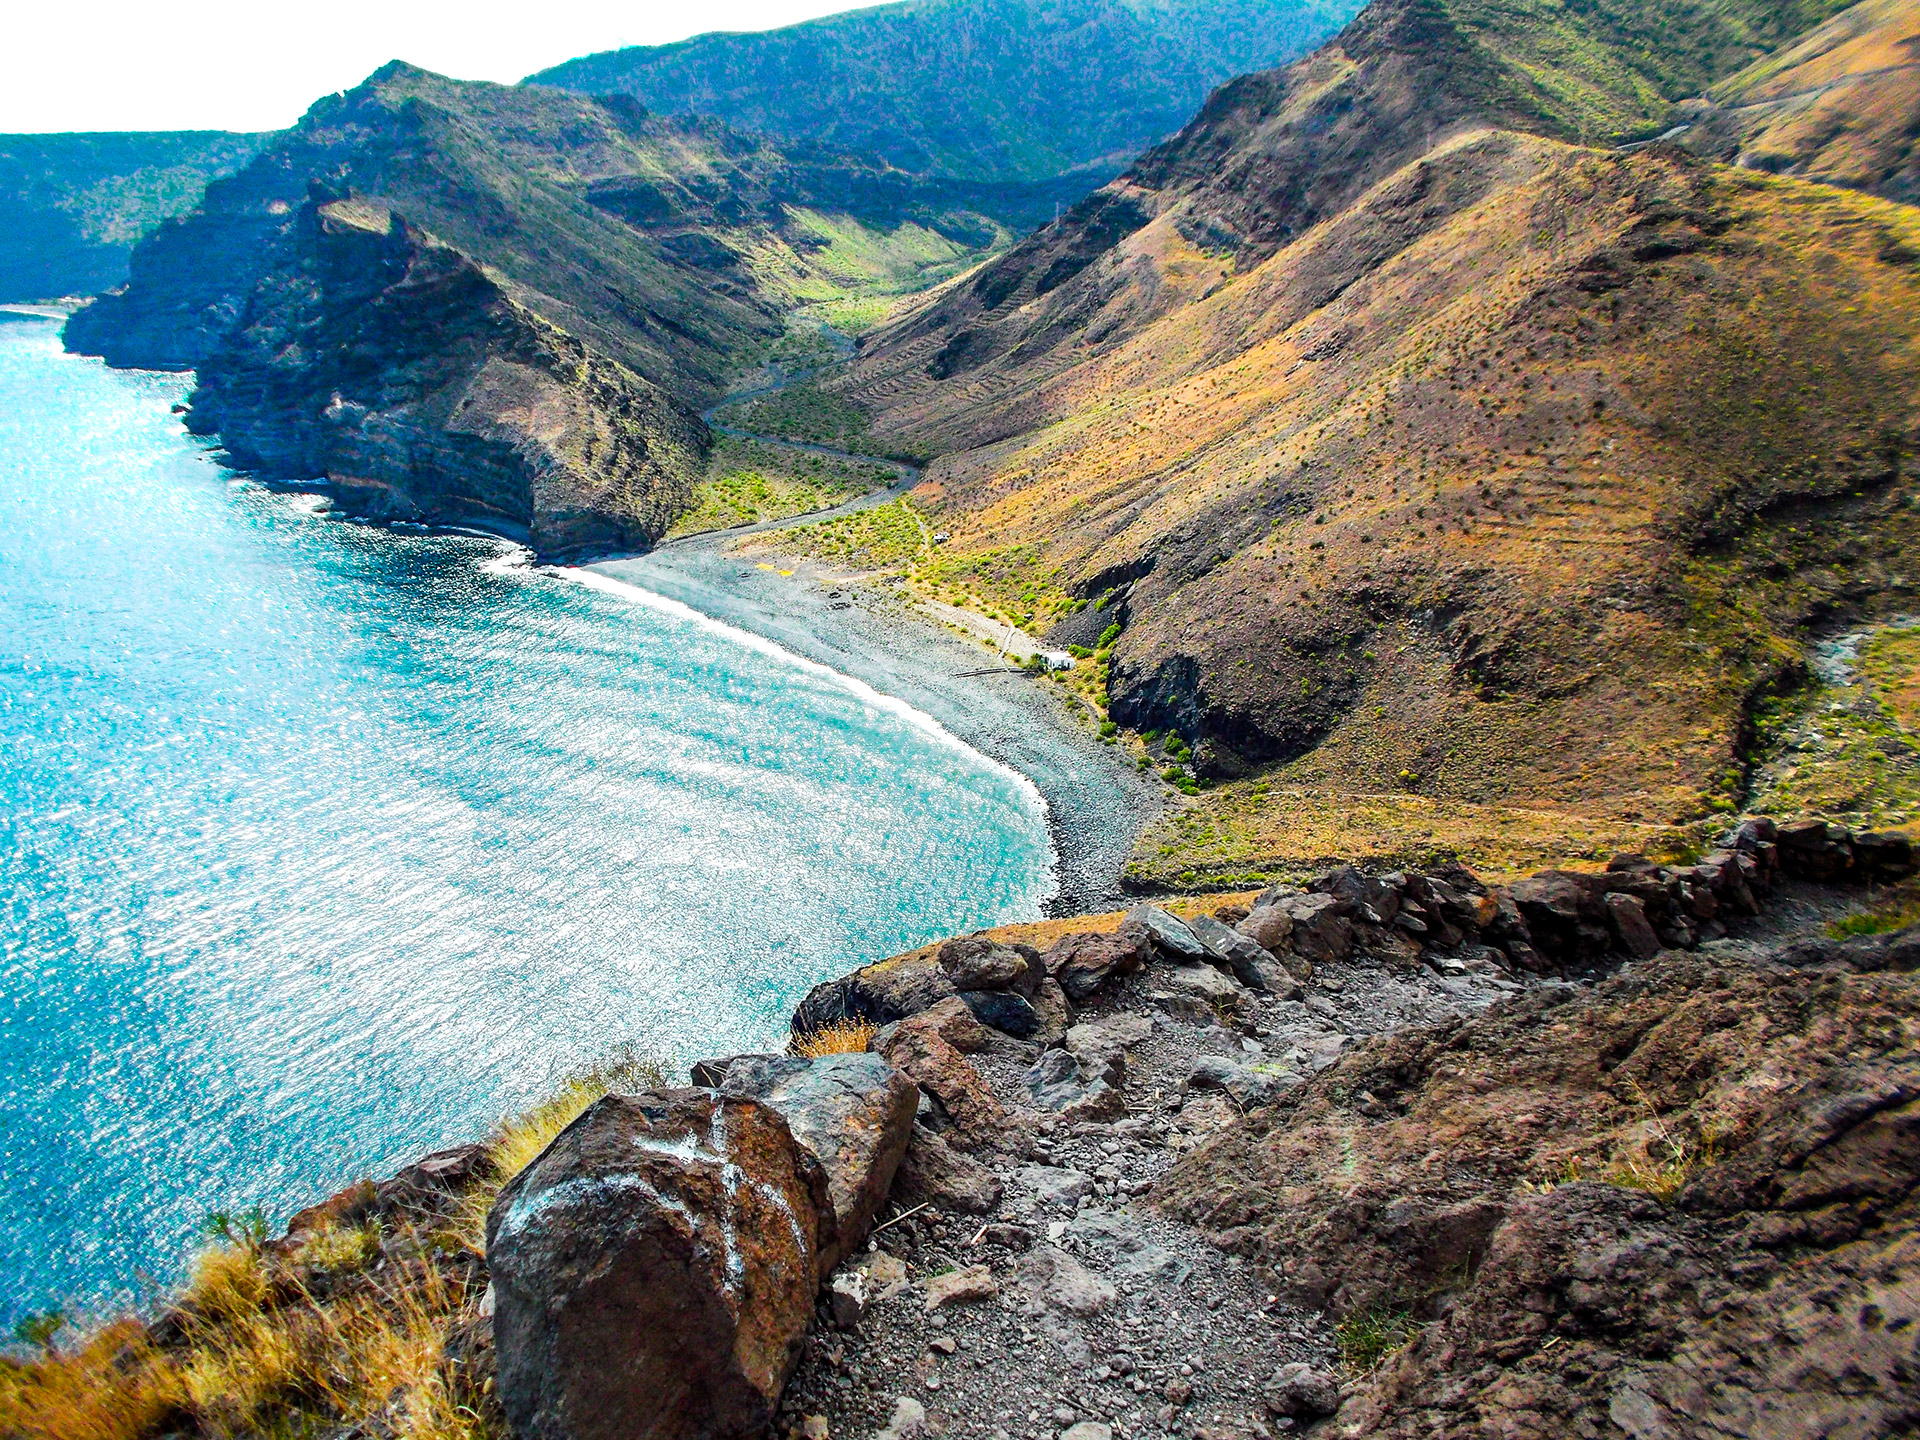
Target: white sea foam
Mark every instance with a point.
(860, 689)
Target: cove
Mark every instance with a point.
(324, 846)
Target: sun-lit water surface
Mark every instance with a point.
(324, 846)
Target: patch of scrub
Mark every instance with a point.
(1845, 744)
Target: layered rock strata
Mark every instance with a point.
(381, 362)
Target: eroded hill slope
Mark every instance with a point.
(1457, 485)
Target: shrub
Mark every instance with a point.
(1108, 636)
(1880, 921)
(842, 1037)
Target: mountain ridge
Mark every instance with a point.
(349, 297)
(1359, 407)
(981, 89)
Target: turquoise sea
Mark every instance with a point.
(322, 846)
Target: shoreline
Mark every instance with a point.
(1096, 807)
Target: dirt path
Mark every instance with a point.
(907, 476)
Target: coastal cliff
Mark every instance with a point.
(1384, 1154)
(385, 361)
(486, 305)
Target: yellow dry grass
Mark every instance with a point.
(260, 1355)
(842, 1037)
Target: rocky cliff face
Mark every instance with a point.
(484, 305)
(391, 366)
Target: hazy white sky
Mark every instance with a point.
(257, 64)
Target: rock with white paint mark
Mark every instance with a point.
(854, 1113)
(848, 1298)
(655, 1269)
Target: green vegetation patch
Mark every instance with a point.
(885, 536)
(805, 413)
(1846, 750)
(749, 481)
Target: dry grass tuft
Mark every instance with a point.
(111, 1388)
(842, 1037)
(250, 1350)
(518, 1141)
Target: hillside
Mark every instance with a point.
(502, 306)
(989, 90)
(1456, 487)
(72, 206)
(1841, 105)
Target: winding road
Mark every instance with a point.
(907, 476)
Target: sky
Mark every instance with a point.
(258, 64)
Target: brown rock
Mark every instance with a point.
(880, 993)
(935, 1173)
(974, 962)
(952, 1020)
(1631, 927)
(1084, 963)
(1269, 926)
(1052, 1010)
(961, 1287)
(655, 1270)
(945, 1074)
(1773, 1105)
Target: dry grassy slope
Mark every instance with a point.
(1493, 491)
(1472, 485)
(1841, 105)
(1272, 154)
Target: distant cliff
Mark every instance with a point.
(72, 206)
(477, 304)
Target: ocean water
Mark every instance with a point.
(322, 846)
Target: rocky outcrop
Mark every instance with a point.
(1000, 984)
(1679, 1202)
(389, 367)
(853, 1114)
(655, 1270)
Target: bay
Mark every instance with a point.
(321, 846)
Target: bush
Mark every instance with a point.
(842, 1037)
(1108, 636)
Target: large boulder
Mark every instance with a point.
(1086, 961)
(879, 993)
(1004, 1011)
(1252, 963)
(1319, 930)
(952, 1020)
(853, 1113)
(654, 1270)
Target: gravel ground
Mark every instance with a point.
(1187, 1341)
(1096, 804)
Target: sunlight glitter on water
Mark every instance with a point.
(324, 846)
